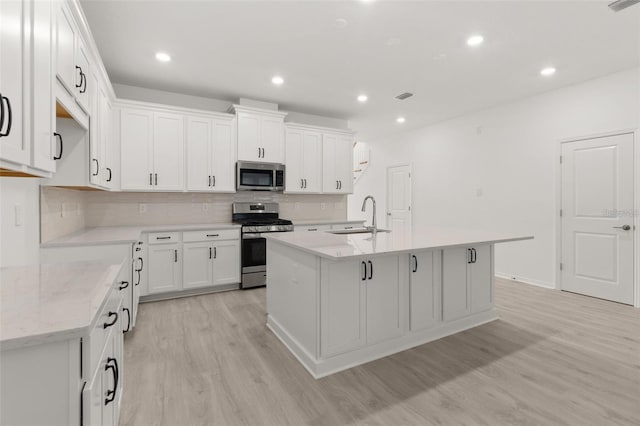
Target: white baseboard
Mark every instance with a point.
(525, 280)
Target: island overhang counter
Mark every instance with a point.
(337, 301)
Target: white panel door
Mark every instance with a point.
(168, 152)
(82, 74)
(249, 137)
(481, 278)
(456, 300)
(384, 299)
(424, 290)
(95, 152)
(223, 156)
(226, 262)
(136, 138)
(164, 268)
(197, 265)
(343, 309)
(330, 181)
(344, 164)
(399, 201)
(294, 181)
(106, 142)
(43, 119)
(597, 221)
(13, 147)
(272, 139)
(198, 146)
(65, 49)
(311, 162)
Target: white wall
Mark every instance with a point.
(19, 244)
(509, 154)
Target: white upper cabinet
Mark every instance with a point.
(303, 160)
(260, 135)
(106, 141)
(337, 163)
(82, 75)
(168, 152)
(66, 34)
(13, 18)
(211, 154)
(152, 150)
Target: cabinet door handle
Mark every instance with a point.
(305, 183)
(175, 256)
(312, 229)
(259, 152)
(111, 393)
(474, 255)
(115, 319)
(213, 235)
(97, 167)
(210, 253)
(336, 184)
(156, 179)
(415, 263)
(150, 178)
(80, 74)
(262, 152)
(370, 269)
(110, 174)
(469, 256)
(9, 116)
(1, 113)
(128, 319)
(141, 264)
(301, 183)
(215, 252)
(123, 285)
(213, 180)
(163, 238)
(84, 85)
(59, 136)
(364, 272)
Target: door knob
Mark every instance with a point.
(624, 227)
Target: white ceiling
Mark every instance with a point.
(231, 49)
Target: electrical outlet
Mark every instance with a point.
(19, 214)
(296, 206)
(62, 210)
(143, 208)
(205, 207)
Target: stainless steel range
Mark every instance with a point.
(257, 219)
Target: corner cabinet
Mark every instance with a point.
(303, 160)
(467, 281)
(260, 134)
(211, 153)
(337, 163)
(152, 150)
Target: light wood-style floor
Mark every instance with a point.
(552, 358)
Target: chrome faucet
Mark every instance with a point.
(373, 227)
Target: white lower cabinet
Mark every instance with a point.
(209, 264)
(165, 267)
(361, 303)
(424, 289)
(467, 281)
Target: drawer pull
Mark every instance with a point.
(163, 238)
(213, 235)
(123, 285)
(312, 229)
(111, 394)
(115, 319)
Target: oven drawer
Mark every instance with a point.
(211, 235)
(164, 237)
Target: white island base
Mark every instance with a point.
(338, 306)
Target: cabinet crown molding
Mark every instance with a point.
(240, 108)
(319, 129)
(130, 103)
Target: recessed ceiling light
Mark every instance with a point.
(475, 40)
(163, 57)
(400, 120)
(277, 80)
(548, 71)
(363, 98)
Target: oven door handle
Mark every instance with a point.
(251, 236)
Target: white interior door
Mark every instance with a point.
(399, 200)
(597, 221)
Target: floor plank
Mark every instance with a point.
(553, 358)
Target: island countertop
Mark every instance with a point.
(45, 303)
(354, 246)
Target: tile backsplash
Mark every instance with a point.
(97, 208)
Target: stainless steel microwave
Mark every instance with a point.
(259, 176)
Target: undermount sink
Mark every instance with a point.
(356, 231)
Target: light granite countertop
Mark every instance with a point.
(323, 222)
(125, 234)
(355, 246)
(47, 303)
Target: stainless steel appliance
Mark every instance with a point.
(259, 176)
(257, 219)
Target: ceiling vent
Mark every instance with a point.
(617, 6)
(404, 96)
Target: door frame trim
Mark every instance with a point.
(386, 195)
(636, 205)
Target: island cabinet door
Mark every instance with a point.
(424, 289)
(384, 299)
(342, 307)
(456, 300)
(481, 278)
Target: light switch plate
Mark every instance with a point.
(143, 208)
(19, 215)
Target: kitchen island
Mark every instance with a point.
(337, 301)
